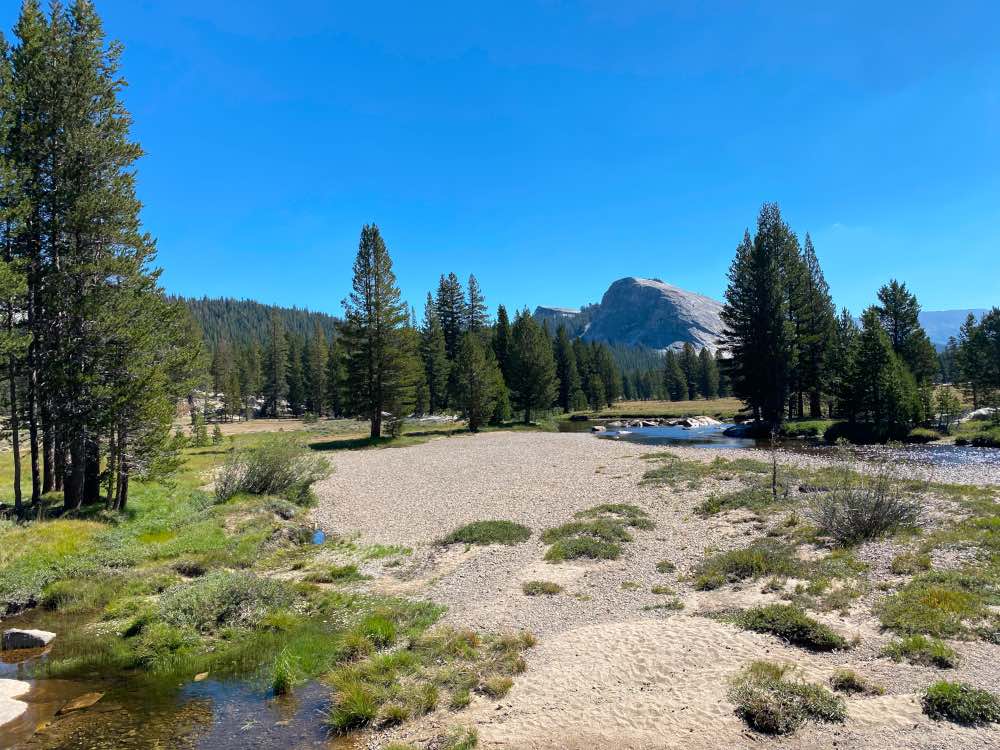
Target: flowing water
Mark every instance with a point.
(138, 713)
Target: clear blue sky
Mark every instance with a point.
(552, 147)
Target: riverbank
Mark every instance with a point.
(632, 653)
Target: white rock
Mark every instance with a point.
(10, 708)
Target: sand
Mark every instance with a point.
(608, 672)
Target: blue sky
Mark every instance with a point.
(552, 147)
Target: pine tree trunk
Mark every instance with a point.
(48, 453)
(92, 473)
(74, 481)
(59, 461)
(815, 405)
(36, 485)
(15, 435)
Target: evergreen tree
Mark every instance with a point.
(722, 366)
(609, 374)
(451, 313)
(570, 392)
(479, 380)
(708, 374)
(533, 369)
(476, 319)
(817, 330)
(675, 382)
(251, 382)
(899, 313)
(275, 367)
(434, 354)
(294, 374)
(690, 366)
(759, 334)
(315, 371)
(379, 362)
(336, 400)
(840, 362)
(501, 342)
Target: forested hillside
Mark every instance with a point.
(240, 322)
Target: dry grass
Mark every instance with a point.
(712, 407)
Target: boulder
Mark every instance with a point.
(598, 428)
(10, 708)
(18, 639)
(80, 702)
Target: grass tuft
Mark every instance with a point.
(960, 703)
(489, 532)
(769, 701)
(919, 649)
(540, 588)
(791, 624)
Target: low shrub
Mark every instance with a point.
(909, 563)
(489, 532)
(540, 588)
(960, 703)
(335, 574)
(757, 496)
(922, 435)
(665, 566)
(919, 649)
(858, 507)
(583, 546)
(277, 465)
(769, 701)
(630, 515)
(849, 681)
(223, 599)
(791, 624)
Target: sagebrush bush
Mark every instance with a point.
(489, 532)
(277, 465)
(770, 702)
(862, 506)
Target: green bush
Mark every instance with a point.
(540, 588)
(922, 435)
(793, 625)
(489, 532)
(941, 604)
(771, 702)
(766, 557)
(919, 649)
(223, 599)
(583, 546)
(277, 465)
(960, 703)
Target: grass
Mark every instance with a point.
(919, 649)
(489, 532)
(910, 563)
(757, 497)
(765, 557)
(665, 566)
(598, 534)
(717, 407)
(939, 603)
(793, 625)
(960, 703)
(336, 574)
(771, 701)
(669, 469)
(850, 682)
(540, 588)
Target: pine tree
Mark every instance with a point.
(816, 334)
(708, 374)
(451, 312)
(608, 372)
(476, 319)
(840, 362)
(674, 381)
(251, 379)
(501, 342)
(435, 358)
(759, 333)
(570, 392)
(479, 380)
(533, 369)
(899, 313)
(690, 366)
(315, 371)
(275, 367)
(295, 376)
(380, 364)
(722, 366)
(335, 399)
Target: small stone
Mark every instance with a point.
(15, 638)
(83, 701)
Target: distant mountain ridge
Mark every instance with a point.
(240, 322)
(943, 324)
(646, 313)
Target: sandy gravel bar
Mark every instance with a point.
(610, 670)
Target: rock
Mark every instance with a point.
(10, 708)
(18, 639)
(579, 418)
(200, 676)
(615, 425)
(644, 312)
(83, 701)
(598, 428)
